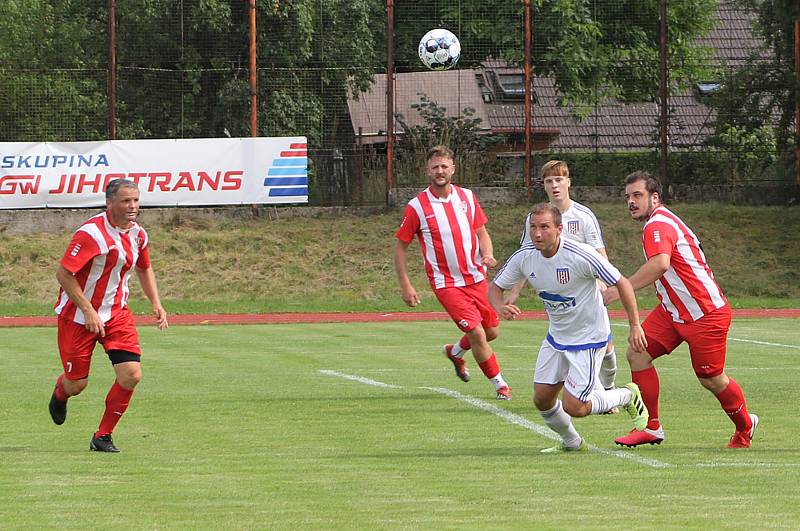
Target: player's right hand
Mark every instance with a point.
(94, 324)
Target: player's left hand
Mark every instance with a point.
(489, 261)
(161, 317)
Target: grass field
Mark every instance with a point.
(364, 426)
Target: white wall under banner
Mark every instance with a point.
(186, 172)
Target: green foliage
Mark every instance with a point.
(52, 86)
(756, 101)
(595, 51)
(743, 158)
(463, 134)
(750, 149)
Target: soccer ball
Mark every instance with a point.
(439, 49)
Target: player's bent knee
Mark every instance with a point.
(716, 384)
(129, 380)
(543, 403)
(638, 359)
(74, 387)
(575, 408)
(127, 367)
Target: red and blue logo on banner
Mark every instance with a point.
(288, 175)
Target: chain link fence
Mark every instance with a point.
(182, 72)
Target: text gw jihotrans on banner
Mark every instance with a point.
(204, 171)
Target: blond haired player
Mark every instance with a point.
(580, 225)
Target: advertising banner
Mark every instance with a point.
(186, 172)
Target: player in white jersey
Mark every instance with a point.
(564, 274)
(581, 225)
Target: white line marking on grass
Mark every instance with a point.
(748, 465)
(513, 418)
(765, 343)
(360, 379)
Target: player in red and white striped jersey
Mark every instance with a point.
(456, 247)
(92, 306)
(692, 309)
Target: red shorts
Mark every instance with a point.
(707, 338)
(469, 306)
(76, 344)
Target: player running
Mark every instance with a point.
(450, 226)
(580, 225)
(564, 273)
(92, 306)
(692, 309)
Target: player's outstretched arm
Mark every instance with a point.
(407, 291)
(148, 280)
(651, 271)
(513, 294)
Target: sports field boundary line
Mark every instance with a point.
(504, 414)
(740, 340)
(351, 317)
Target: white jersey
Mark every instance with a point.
(567, 285)
(580, 225)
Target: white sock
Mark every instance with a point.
(602, 400)
(561, 423)
(498, 381)
(457, 351)
(608, 369)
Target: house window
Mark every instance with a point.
(708, 87)
(512, 85)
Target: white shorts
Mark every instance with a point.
(577, 369)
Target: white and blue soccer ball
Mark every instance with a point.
(439, 49)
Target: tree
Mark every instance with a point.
(463, 134)
(762, 93)
(173, 59)
(595, 51)
(52, 84)
(310, 54)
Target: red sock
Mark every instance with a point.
(490, 367)
(732, 400)
(648, 383)
(59, 392)
(117, 401)
(464, 343)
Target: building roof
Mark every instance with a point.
(610, 126)
(732, 38)
(454, 90)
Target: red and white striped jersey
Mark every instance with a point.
(102, 257)
(446, 229)
(687, 290)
